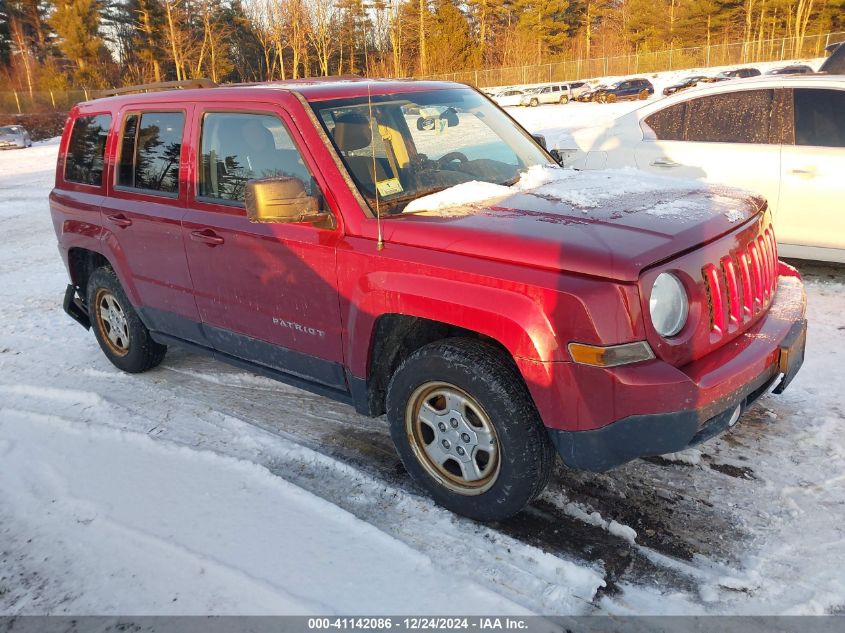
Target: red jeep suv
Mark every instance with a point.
(407, 248)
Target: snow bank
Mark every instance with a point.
(148, 527)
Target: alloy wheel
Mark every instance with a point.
(453, 438)
(112, 322)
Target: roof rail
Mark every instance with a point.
(160, 85)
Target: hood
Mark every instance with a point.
(611, 224)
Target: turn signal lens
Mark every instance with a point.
(611, 356)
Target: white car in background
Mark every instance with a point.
(780, 136)
(508, 97)
(552, 93)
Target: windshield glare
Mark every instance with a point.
(419, 143)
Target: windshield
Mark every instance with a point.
(420, 143)
(9, 129)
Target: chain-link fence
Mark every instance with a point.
(676, 59)
(26, 102)
(36, 101)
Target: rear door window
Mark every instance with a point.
(86, 150)
(732, 117)
(151, 148)
(819, 117)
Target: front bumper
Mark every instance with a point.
(724, 384)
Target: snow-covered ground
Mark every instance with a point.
(198, 488)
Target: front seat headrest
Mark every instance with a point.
(257, 137)
(352, 131)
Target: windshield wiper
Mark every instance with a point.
(411, 196)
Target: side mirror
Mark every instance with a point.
(541, 140)
(557, 156)
(282, 200)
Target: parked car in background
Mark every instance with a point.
(795, 69)
(293, 229)
(736, 73)
(577, 88)
(685, 83)
(781, 136)
(553, 93)
(589, 93)
(14, 136)
(638, 88)
(508, 97)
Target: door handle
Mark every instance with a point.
(664, 162)
(121, 220)
(206, 236)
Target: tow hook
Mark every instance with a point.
(75, 307)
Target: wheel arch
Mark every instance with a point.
(397, 336)
(387, 324)
(82, 261)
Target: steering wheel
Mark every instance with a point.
(448, 158)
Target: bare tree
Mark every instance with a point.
(23, 51)
(321, 30)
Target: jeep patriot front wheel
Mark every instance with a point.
(467, 430)
(452, 438)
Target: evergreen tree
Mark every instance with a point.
(77, 25)
(549, 22)
(449, 42)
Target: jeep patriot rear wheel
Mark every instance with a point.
(467, 430)
(122, 336)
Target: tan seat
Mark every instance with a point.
(352, 131)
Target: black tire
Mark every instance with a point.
(524, 453)
(139, 352)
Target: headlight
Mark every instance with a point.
(668, 305)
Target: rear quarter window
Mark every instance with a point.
(84, 161)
